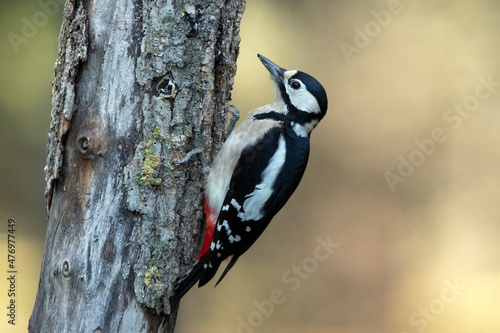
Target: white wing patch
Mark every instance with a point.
(254, 203)
(235, 204)
(225, 225)
(234, 239)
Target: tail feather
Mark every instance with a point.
(187, 282)
(201, 274)
(228, 267)
(209, 272)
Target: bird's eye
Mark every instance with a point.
(295, 84)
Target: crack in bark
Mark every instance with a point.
(73, 42)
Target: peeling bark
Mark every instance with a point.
(133, 79)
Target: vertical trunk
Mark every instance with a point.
(133, 81)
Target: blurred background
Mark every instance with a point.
(396, 224)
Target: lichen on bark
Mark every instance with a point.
(185, 48)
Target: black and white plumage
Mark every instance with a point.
(256, 171)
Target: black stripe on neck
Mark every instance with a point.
(295, 116)
(273, 115)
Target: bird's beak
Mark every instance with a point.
(276, 71)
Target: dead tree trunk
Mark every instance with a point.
(133, 79)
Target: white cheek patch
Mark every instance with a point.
(256, 200)
(303, 100)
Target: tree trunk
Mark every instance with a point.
(133, 79)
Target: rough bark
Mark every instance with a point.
(133, 80)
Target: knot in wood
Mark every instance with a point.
(83, 147)
(109, 250)
(66, 269)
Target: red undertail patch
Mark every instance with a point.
(211, 220)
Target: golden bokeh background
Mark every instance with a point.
(403, 180)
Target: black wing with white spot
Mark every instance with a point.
(260, 185)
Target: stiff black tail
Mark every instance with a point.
(187, 282)
(199, 273)
(228, 267)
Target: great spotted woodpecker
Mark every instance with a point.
(256, 171)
